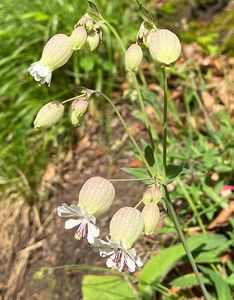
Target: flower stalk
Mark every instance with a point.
(167, 197)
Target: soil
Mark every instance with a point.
(52, 245)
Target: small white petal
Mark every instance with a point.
(94, 229)
(72, 223)
(139, 262)
(68, 211)
(110, 263)
(130, 263)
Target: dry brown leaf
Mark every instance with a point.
(207, 99)
(223, 217)
(82, 144)
(223, 93)
(135, 163)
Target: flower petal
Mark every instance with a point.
(72, 223)
(93, 231)
(110, 262)
(130, 263)
(68, 211)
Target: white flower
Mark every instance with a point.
(56, 53)
(118, 256)
(41, 73)
(87, 228)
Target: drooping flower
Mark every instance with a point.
(49, 114)
(79, 107)
(125, 227)
(164, 46)
(56, 53)
(87, 228)
(78, 37)
(133, 58)
(95, 198)
(151, 217)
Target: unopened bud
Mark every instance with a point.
(126, 225)
(133, 57)
(151, 216)
(78, 37)
(93, 40)
(96, 195)
(165, 46)
(49, 114)
(79, 107)
(152, 195)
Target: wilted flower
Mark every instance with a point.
(125, 227)
(151, 217)
(165, 46)
(133, 57)
(95, 198)
(86, 222)
(96, 195)
(79, 107)
(93, 40)
(56, 53)
(78, 37)
(49, 114)
(152, 194)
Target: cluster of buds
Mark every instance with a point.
(94, 31)
(60, 48)
(126, 225)
(151, 213)
(53, 111)
(164, 47)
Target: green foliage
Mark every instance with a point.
(106, 287)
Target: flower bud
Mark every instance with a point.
(126, 225)
(55, 54)
(133, 57)
(152, 194)
(151, 216)
(78, 37)
(96, 196)
(79, 107)
(49, 114)
(93, 40)
(164, 46)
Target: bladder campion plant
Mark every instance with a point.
(97, 194)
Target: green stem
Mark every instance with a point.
(167, 197)
(164, 121)
(125, 126)
(184, 242)
(140, 98)
(73, 98)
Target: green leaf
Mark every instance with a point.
(188, 280)
(106, 287)
(174, 171)
(158, 266)
(94, 9)
(149, 155)
(146, 15)
(222, 288)
(139, 173)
